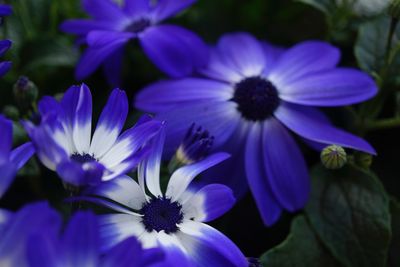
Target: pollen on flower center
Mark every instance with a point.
(257, 98)
(161, 214)
(138, 25)
(83, 158)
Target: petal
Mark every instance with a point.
(79, 175)
(110, 123)
(117, 227)
(48, 104)
(219, 69)
(137, 8)
(8, 172)
(80, 240)
(4, 46)
(130, 142)
(5, 139)
(182, 177)
(164, 95)
(244, 52)
(152, 164)
(22, 154)
(304, 58)
(267, 204)
(77, 105)
(126, 253)
(5, 66)
(307, 122)
(96, 54)
(43, 250)
(17, 231)
(84, 26)
(202, 205)
(5, 215)
(219, 118)
(105, 10)
(5, 10)
(168, 8)
(112, 67)
(173, 250)
(174, 50)
(338, 87)
(123, 190)
(285, 167)
(208, 247)
(272, 55)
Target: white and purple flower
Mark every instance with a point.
(172, 220)
(64, 141)
(173, 49)
(251, 97)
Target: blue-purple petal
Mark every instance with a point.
(5, 10)
(268, 206)
(285, 166)
(21, 154)
(174, 50)
(168, 8)
(5, 139)
(308, 123)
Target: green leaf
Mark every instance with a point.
(394, 252)
(301, 248)
(349, 211)
(370, 48)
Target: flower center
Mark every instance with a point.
(138, 25)
(160, 214)
(82, 158)
(257, 98)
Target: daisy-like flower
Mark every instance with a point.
(172, 220)
(64, 141)
(251, 98)
(171, 48)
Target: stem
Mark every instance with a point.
(393, 24)
(383, 124)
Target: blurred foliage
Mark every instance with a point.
(347, 222)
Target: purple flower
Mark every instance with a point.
(252, 97)
(175, 50)
(11, 160)
(64, 141)
(174, 220)
(5, 10)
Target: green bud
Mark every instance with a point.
(333, 157)
(394, 9)
(11, 112)
(25, 93)
(363, 160)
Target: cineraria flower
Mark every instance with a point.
(79, 246)
(11, 160)
(251, 97)
(64, 141)
(174, 220)
(171, 48)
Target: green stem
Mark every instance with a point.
(383, 124)
(393, 25)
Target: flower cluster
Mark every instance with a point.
(228, 119)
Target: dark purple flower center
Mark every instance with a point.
(257, 98)
(83, 158)
(196, 144)
(138, 25)
(160, 214)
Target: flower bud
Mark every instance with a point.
(195, 146)
(25, 93)
(333, 157)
